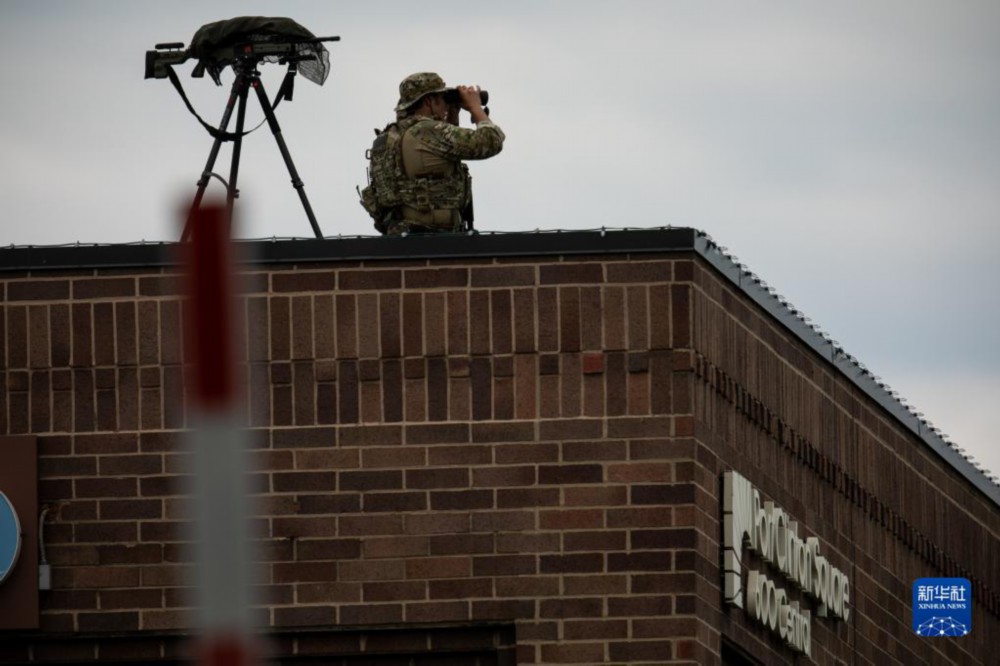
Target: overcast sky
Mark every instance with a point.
(848, 153)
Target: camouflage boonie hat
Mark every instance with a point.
(416, 86)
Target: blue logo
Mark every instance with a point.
(10, 537)
(942, 607)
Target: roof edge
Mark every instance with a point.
(360, 248)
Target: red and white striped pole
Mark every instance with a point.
(219, 446)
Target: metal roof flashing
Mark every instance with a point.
(39, 259)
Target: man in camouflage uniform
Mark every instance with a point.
(432, 148)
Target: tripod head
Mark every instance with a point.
(242, 43)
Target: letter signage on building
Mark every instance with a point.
(789, 563)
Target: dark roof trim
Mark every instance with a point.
(360, 248)
(548, 243)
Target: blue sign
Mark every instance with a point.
(10, 537)
(942, 607)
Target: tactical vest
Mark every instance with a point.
(389, 187)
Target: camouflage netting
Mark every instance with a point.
(211, 37)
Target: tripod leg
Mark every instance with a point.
(212, 156)
(234, 168)
(272, 122)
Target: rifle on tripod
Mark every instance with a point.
(244, 43)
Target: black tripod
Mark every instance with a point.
(248, 77)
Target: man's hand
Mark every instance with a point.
(470, 100)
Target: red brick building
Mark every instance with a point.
(489, 449)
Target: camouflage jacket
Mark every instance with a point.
(417, 172)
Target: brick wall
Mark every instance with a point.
(879, 500)
(532, 442)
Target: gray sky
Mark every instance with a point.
(848, 153)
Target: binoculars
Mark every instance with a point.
(451, 97)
